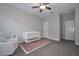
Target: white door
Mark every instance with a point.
(45, 30)
(69, 30)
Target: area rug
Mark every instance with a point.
(30, 47)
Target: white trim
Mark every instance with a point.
(32, 40)
(76, 43)
(33, 49)
(53, 39)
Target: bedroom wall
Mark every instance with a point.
(14, 21)
(77, 25)
(69, 15)
(54, 29)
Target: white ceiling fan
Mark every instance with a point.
(43, 6)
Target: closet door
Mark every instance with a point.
(45, 30)
(69, 30)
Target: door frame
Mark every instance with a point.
(47, 29)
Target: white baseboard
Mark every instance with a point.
(76, 43)
(53, 39)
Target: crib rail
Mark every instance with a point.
(31, 36)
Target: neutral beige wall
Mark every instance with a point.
(77, 25)
(54, 29)
(15, 21)
(67, 17)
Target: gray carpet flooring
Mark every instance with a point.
(61, 48)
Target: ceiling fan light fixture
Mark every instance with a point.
(42, 7)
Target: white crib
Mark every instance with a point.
(31, 36)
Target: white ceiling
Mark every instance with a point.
(56, 7)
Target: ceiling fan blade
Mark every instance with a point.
(41, 10)
(48, 8)
(36, 7)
